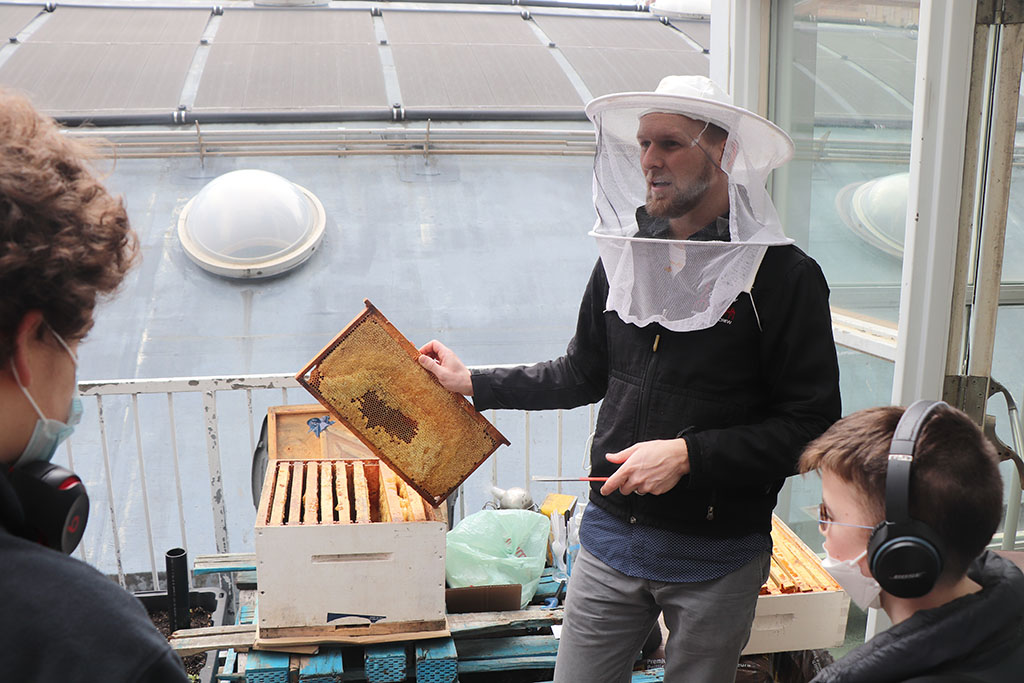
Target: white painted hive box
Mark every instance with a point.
(345, 547)
(801, 607)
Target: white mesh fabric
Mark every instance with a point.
(681, 284)
(682, 288)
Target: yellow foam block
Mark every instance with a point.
(561, 504)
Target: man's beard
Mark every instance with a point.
(683, 201)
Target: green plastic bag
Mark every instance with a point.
(495, 547)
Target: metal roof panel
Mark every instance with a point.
(610, 32)
(611, 70)
(482, 76)
(458, 28)
(93, 78)
(282, 77)
(311, 26)
(70, 24)
(14, 18)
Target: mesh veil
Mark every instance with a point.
(682, 285)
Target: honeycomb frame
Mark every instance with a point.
(369, 378)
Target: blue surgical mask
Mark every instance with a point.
(49, 433)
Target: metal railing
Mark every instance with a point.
(158, 494)
(193, 440)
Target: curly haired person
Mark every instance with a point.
(65, 242)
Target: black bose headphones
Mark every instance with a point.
(54, 505)
(905, 554)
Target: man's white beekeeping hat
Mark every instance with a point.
(697, 296)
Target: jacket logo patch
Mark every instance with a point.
(729, 316)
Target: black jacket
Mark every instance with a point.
(747, 394)
(61, 620)
(978, 638)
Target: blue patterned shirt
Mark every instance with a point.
(646, 552)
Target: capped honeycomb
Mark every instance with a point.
(369, 378)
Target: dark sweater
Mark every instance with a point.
(61, 620)
(977, 638)
(747, 394)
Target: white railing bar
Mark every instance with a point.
(558, 452)
(71, 466)
(161, 385)
(177, 468)
(347, 134)
(145, 489)
(252, 434)
(110, 491)
(186, 384)
(462, 503)
(220, 522)
(494, 456)
(526, 448)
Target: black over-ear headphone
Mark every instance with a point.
(54, 503)
(905, 554)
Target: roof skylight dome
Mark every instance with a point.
(251, 224)
(876, 211)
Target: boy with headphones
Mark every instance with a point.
(64, 242)
(910, 500)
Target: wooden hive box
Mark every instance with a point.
(369, 379)
(344, 549)
(801, 607)
(309, 432)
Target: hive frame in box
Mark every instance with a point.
(345, 552)
(401, 402)
(289, 436)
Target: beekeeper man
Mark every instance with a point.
(706, 335)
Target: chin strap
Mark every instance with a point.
(749, 289)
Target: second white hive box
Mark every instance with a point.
(343, 547)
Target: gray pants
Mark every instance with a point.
(608, 615)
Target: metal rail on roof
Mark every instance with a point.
(122, 397)
(427, 139)
(158, 478)
(341, 141)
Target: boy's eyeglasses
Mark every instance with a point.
(824, 521)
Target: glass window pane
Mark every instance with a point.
(843, 87)
(1013, 259)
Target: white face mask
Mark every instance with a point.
(863, 590)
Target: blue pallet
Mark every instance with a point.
(515, 653)
(324, 667)
(437, 661)
(385, 663)
(266, 667)
(246, 614)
